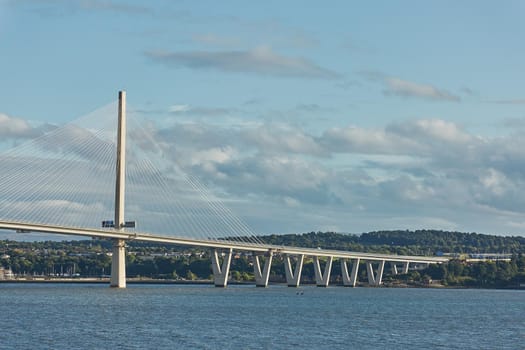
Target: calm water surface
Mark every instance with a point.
(78, 316)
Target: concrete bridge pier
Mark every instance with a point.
(394, 268)
(406, 265)
(262, 277)
(322, 278)
(118, 264)
(375, 279)
(349, 280)
(221, 271)
(293, 278)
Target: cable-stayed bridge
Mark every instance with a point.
(84, 179)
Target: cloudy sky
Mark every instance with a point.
(351, 117)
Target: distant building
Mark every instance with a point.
(488, 257)
(6, 274)
(479, 257)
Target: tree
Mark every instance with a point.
(190, 276)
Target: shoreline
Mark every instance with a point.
(153, 281)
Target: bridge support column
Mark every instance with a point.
(118, 259)
(261, 278)
(394, 268)
(375, 279)
(349, 280)
(322, 279)
(293, 279)
(118, 264)
(221, 272)
(406, 264)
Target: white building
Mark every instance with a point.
(6, 274)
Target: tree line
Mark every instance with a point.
(404, 242)
(90, 258)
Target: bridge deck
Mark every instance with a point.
(217, 243)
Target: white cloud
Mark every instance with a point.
(395, 86)
(366, 141)
(416, 172)
(291, 202)
(14, 128)
(431, 131)
(405, 88)
(273, 138)
(261, 60)
(407, 189)
(494, 181)
(218, 155)
(179, 108)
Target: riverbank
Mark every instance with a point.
(107, 281)
(154, 281)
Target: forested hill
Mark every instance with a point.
(420, 242)
(404, 242)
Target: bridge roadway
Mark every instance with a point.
(221, 270)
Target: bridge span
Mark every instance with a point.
(226, 248)
(222, 249)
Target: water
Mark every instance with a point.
(78, 316)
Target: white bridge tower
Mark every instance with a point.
(118, 259)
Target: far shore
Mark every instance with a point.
(104, 280)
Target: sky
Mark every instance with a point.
(352, 117)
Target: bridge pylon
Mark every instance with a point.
(118, 259)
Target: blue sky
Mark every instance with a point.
(352, 117)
